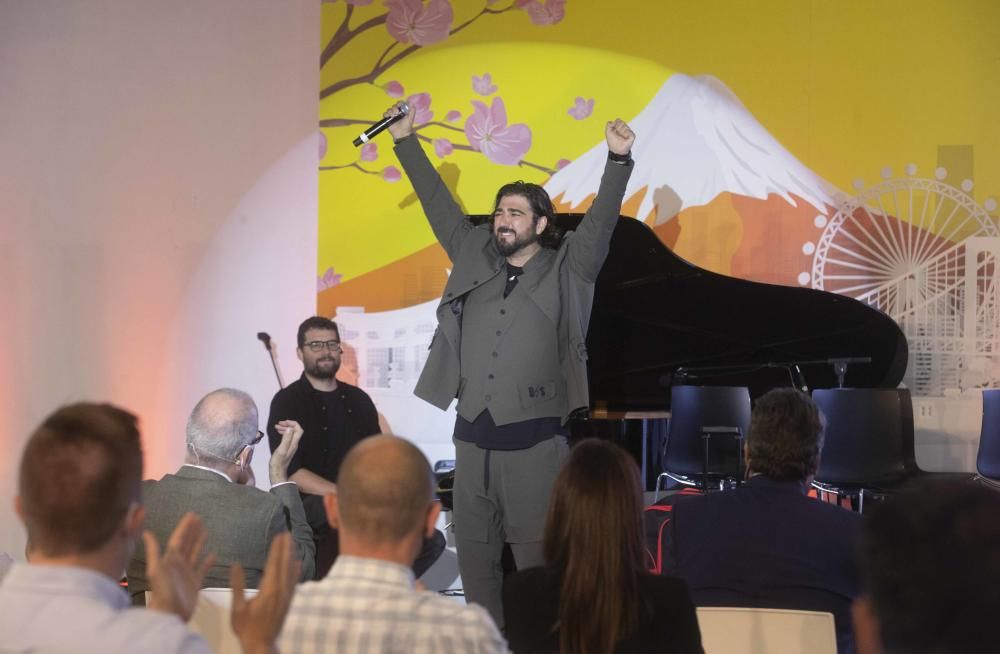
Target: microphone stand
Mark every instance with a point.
(272, 349)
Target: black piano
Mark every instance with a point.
(660, 321)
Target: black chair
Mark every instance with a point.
(869, 445)
(988, 457)
(704, 444)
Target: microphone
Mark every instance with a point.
(378, 127)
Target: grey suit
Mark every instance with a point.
(241, 522)
(520, 356)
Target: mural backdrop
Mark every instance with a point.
(848, 146)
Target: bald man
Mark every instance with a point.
(383, 508)
(217, 483)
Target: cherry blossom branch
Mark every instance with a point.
(351, 165)
(438, 124)
(344, 34)
(381, 66)
(386, 53)
(342, 122)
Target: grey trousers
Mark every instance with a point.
(501, 496)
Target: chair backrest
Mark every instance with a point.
(211, 619)
(869, 436)
(691, 409)
(731, 630)
(988, 458)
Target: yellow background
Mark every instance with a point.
(848, 87)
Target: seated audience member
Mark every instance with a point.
(216, 482)
(79, 495)
(767, 544)
(930, 568)
(593, 595)
(383, 508)
(334, 416)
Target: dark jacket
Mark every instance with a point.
(767, 545)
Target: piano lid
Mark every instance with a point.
(659, 320)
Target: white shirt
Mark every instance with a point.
(369, 606)
(58, 608)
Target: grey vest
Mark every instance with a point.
(510, 352)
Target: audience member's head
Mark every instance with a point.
(785, 437)
(79, 485)
(221, 430)
(385, 499)
(930, 563)
(593, 540)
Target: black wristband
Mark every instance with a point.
(622, 159)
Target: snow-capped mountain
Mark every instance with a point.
(695, 140)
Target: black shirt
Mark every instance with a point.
(332, 422)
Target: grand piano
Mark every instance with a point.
(660, 321)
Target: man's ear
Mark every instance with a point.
(430, 522)
(298, 353)
(543, 222)
(134, 519)
(332, 509)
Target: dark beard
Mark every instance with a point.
(507, 249)
(316, 372)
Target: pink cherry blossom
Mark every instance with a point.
(410, 21)
(391, 174)
(484, 85)
(488, 132)
(420, 105)
(443, 147)
(548, 12)
(356, 3)
(322, 145)
(369, 152)
(453, 115)
(581, 108)
(562, 163)
(329, 279)
(394, 89)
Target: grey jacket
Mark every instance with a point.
(562, 287)
(241, 522)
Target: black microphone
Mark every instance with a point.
(377, 128)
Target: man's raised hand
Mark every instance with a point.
(291, 433)
(175, 578)
(619, 135)
(402, 127)
(258, 622)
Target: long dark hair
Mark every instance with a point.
(593, 543)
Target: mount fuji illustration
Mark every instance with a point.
(696, 140)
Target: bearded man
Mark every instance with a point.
(334, 416)
(511, 347)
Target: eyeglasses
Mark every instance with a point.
(260, 437)
(319, 346)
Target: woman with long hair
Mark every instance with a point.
(593, 595)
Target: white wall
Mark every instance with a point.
(157, 208)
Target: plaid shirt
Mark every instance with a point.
(369, 606)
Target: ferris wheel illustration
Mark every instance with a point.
(926, 254)
(890, 231)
